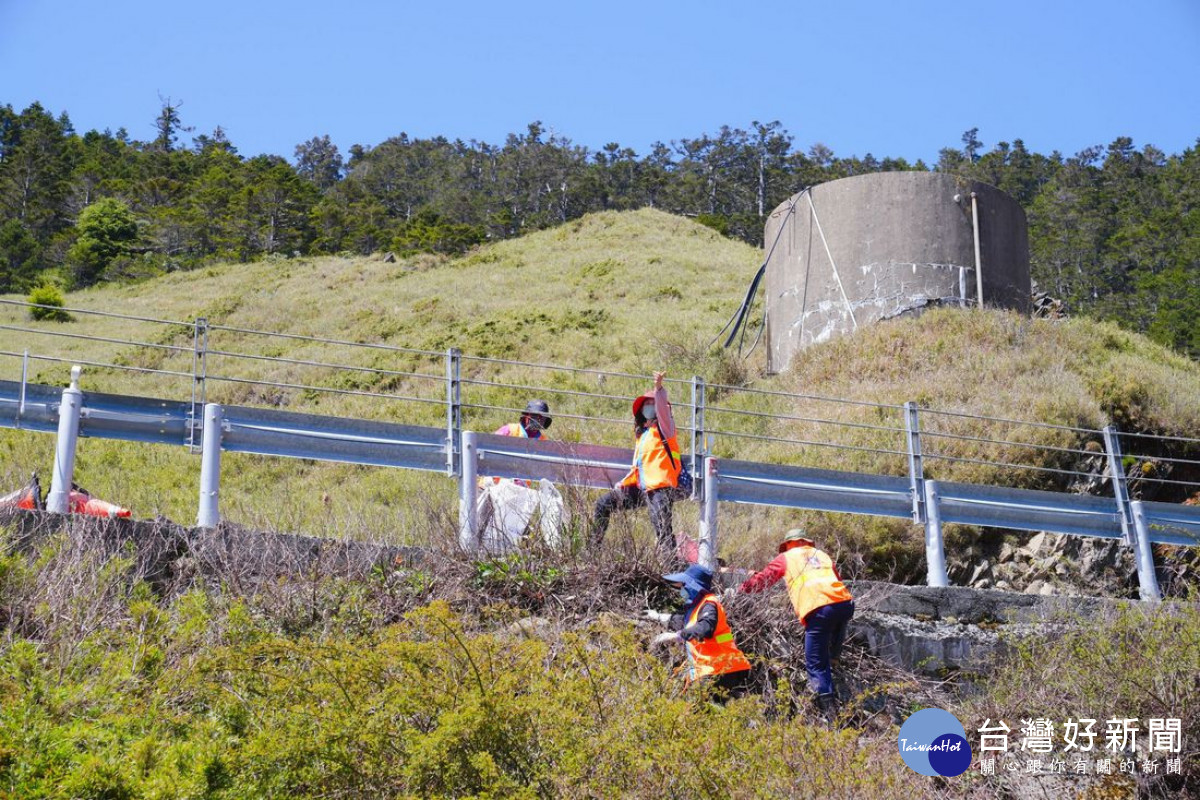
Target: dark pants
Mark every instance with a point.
(824, 632)
(731, 685)
(659, 500)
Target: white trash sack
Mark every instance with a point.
(513, 509)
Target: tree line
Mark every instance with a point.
(1114, 230)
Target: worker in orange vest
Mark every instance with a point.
(822, 602)
(704, 629)
(532, 424)
(654, 477)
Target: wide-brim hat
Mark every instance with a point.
(696, 577)
(538, 408)
(797, 535)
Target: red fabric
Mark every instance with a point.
(768, 576)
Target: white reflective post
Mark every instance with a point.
(708, 516)
(467, 492)
(59, 499)
(1143, 555)
(935, 551)
(209, 514)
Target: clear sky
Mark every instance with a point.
(899, 78)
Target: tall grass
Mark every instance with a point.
(625, 293)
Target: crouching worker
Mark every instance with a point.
(654, 477)
(703, 628)
(822, 602)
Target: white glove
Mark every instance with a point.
(669, 636)
(656, 616)
(728, 595)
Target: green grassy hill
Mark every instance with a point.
(617, 292)
(531, 676)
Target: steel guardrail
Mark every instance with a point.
(1172, 524)
(1029, 510)
(816, 489)
(287, 434)
(351, 441)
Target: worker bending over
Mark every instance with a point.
(822, 602)
(703, 628)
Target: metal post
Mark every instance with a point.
(209, 514)
(916, 467)
(24, 382)
(58, 501)
(453, 410)
(1143, 555)
(1116, 466)
(699, 438)
(467, 493)
(935, 551)
(199, 375)
(978, 265)
(708, 516)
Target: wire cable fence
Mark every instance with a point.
(1076, 463)
(240, 366)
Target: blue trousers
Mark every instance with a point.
(824, 632)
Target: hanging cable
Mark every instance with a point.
(742, 315)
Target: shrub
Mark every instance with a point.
(48, 295)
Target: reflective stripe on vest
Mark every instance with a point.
(811, 581)
(655, 468)
(718, 654)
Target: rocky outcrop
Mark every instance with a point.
(937, 630)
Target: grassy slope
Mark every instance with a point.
(625, 292)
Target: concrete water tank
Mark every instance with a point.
(854, 251)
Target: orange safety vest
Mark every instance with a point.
(653, 467)
(811, 581)
(718, 654)
(512, 429)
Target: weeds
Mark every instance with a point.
(269, 666)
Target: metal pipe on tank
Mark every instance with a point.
(975, 233)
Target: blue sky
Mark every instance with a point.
(887, 77)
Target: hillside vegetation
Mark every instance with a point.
(627, 293)
(444, 676)
(1113, 229)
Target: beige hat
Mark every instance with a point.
(795, 535)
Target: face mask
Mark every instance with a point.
(684, 593)
(649, 412)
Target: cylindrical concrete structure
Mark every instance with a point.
(858, 250)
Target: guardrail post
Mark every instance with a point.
(935, 550)
(1116, 466)
(453, 410)
(708, 516)
(199, 375)
(916, 467)
(699, 438)
(467, 493)
(1143, 555)
(58, 501)
(24, 383)
(209, 514)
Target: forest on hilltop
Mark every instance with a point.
(1114, 230)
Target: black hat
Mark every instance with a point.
(538, 408)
